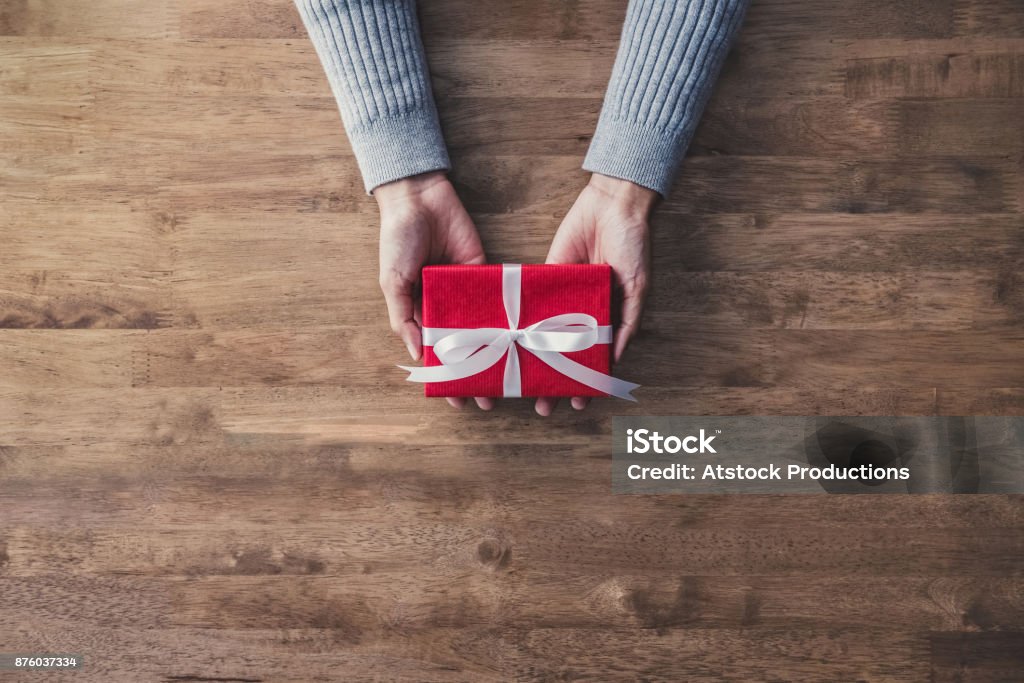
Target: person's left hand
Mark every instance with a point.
(422, 221)
(608, 223)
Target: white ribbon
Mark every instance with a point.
(466, 352)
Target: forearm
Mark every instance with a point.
(375, 63)
(669, 57)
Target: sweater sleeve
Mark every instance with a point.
(669, 56)
(375, 63)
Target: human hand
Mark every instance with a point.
(608, 223)
(422, 221)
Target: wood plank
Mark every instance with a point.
(949, 360)
(287, 183)
(467, 68)
(997, 401)
(204, 181)
(207, 181)
(32, 124)
(710, 655)
(263, 126)
(797, 66)
(36, 67)
(546, 19)
(523, 19)
(942, 301)
(961, 67)
(996, 18)
(840, 242)
(715, 356)
(161, 127)
(254, 654)
(459, 68)
(757, 604)
(538, 126)
(81, 237)
(99, 601)
(543, 545)
(335, 414)
(49, 361)
(77, 18)
(221, 243)
(173, 479)
(807, 127)
(173, 68)
(796, 126)
(825, 126)
(520, 68)
(961, 185)
(724, 184)
(961, 127)
(324, 415)
(240, 19)
(41, 299)
(596, 20)
(857, 19)
(954, 74)
(189, 460)
(281, 356)
(976, 657)
(939, 301)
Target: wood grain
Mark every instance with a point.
(211, 470)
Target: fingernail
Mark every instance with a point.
(413, 351)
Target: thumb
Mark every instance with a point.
(464, 244)
(568, 245)
(398, 293)
(634, 292)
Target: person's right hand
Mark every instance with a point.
(608, 223)
(422, 221)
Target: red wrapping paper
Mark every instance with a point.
(471, 297)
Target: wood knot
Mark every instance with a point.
(494, 554)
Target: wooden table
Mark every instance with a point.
(210, 468)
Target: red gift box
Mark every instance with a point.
(559, 339)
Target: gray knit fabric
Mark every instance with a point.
(669, 55)
(373, 56)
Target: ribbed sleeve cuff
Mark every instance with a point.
(399, 146)
(645, 156)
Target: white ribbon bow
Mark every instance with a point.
(466, 352)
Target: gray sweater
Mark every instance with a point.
(669, 55)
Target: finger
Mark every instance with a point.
(456, 402)
(633, 299)
(417, 312)
(546, 405)
(626, 332)
(464, 245)
(398, 294)
(567, 247)
(580, 402)
(485, 403)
